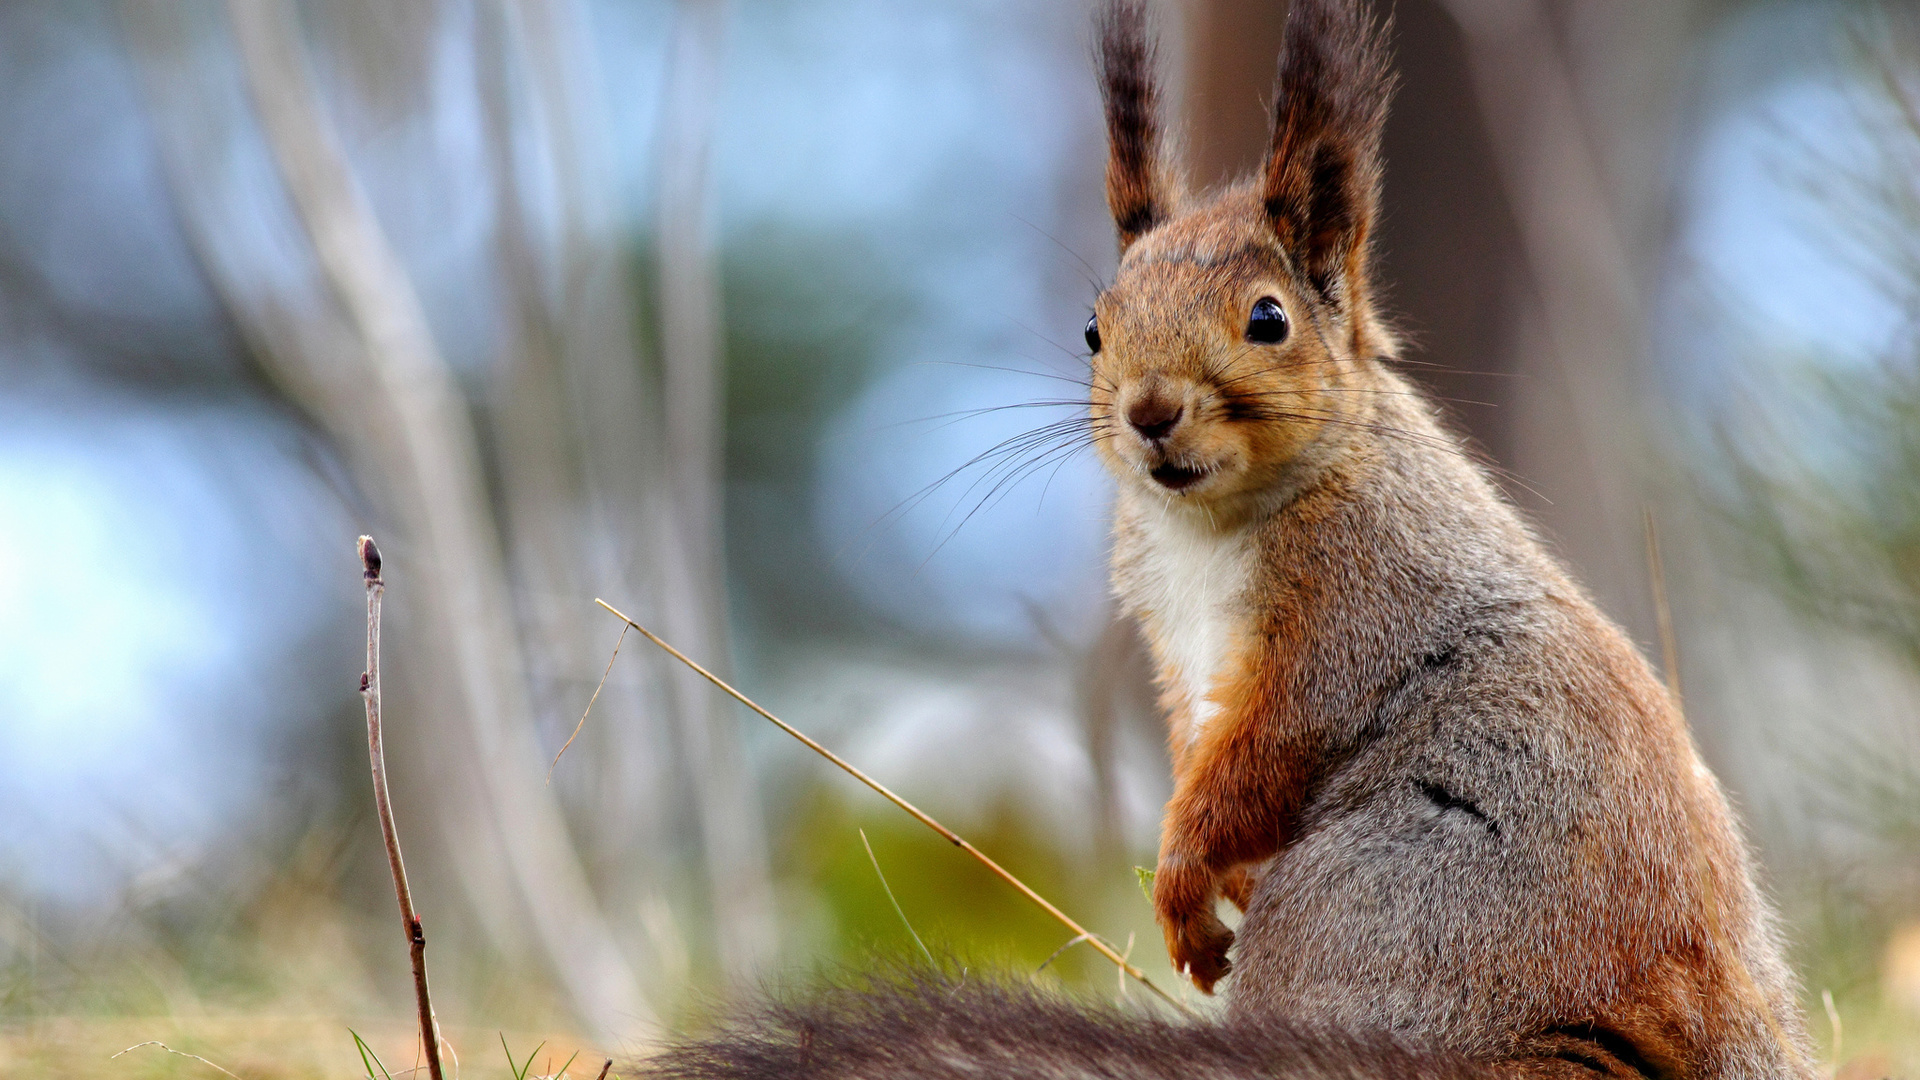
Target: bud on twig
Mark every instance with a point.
(370, 558)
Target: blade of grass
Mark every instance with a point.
(519, 1071)
(918, 814)
(895, 900)
(365, 1053)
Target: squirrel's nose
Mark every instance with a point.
(1154, 416)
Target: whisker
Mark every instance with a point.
(1004, 486)
(1092, 276)
(999, 453)
(963, 414)
(1010, 370)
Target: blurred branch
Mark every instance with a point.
(351, 345)
(691, 356)
(566, 369)
(1103, 673)
(383, 806)
(1825, 463)
(1106, 676)
(453, 524)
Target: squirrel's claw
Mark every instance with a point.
(1197, 941)
(1199, 949)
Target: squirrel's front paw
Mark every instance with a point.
(1197, 940)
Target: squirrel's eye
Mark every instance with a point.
(1093, 332)
(1268, 323)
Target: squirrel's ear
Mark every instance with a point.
(1139, 191)
(1322, 181)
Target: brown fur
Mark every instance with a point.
(1141, 190)
(1481, 818)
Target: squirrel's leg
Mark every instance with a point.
(1237, 886)
(1229, 807)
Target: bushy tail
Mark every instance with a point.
(923, 1026)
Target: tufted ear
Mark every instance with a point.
(1321, 186)
(1140, 193)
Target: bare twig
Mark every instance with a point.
(376, 753)
(603, 1070)
(584, 713)
(182, 1053)
(918, 814)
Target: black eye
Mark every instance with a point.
(1093, 332)
(1268, 323)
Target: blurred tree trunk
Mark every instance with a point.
(347, 340)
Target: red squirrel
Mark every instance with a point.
(1467, 824)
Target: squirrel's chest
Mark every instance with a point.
(1189, 587)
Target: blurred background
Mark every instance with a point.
(736, 314)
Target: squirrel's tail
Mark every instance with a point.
(921, 1026)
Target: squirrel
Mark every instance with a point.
(1465, 821)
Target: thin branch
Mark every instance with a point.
(918, 814)
(377, 754)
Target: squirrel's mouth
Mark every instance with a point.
(1177, 477)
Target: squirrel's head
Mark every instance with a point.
(1240, 332)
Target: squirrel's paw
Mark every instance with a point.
(1197, 940)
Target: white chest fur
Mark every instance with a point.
(1188, 583)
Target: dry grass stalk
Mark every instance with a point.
(376, 753)
(211, 1065)
(1662, 612)
(918, 814)
(589, 709)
